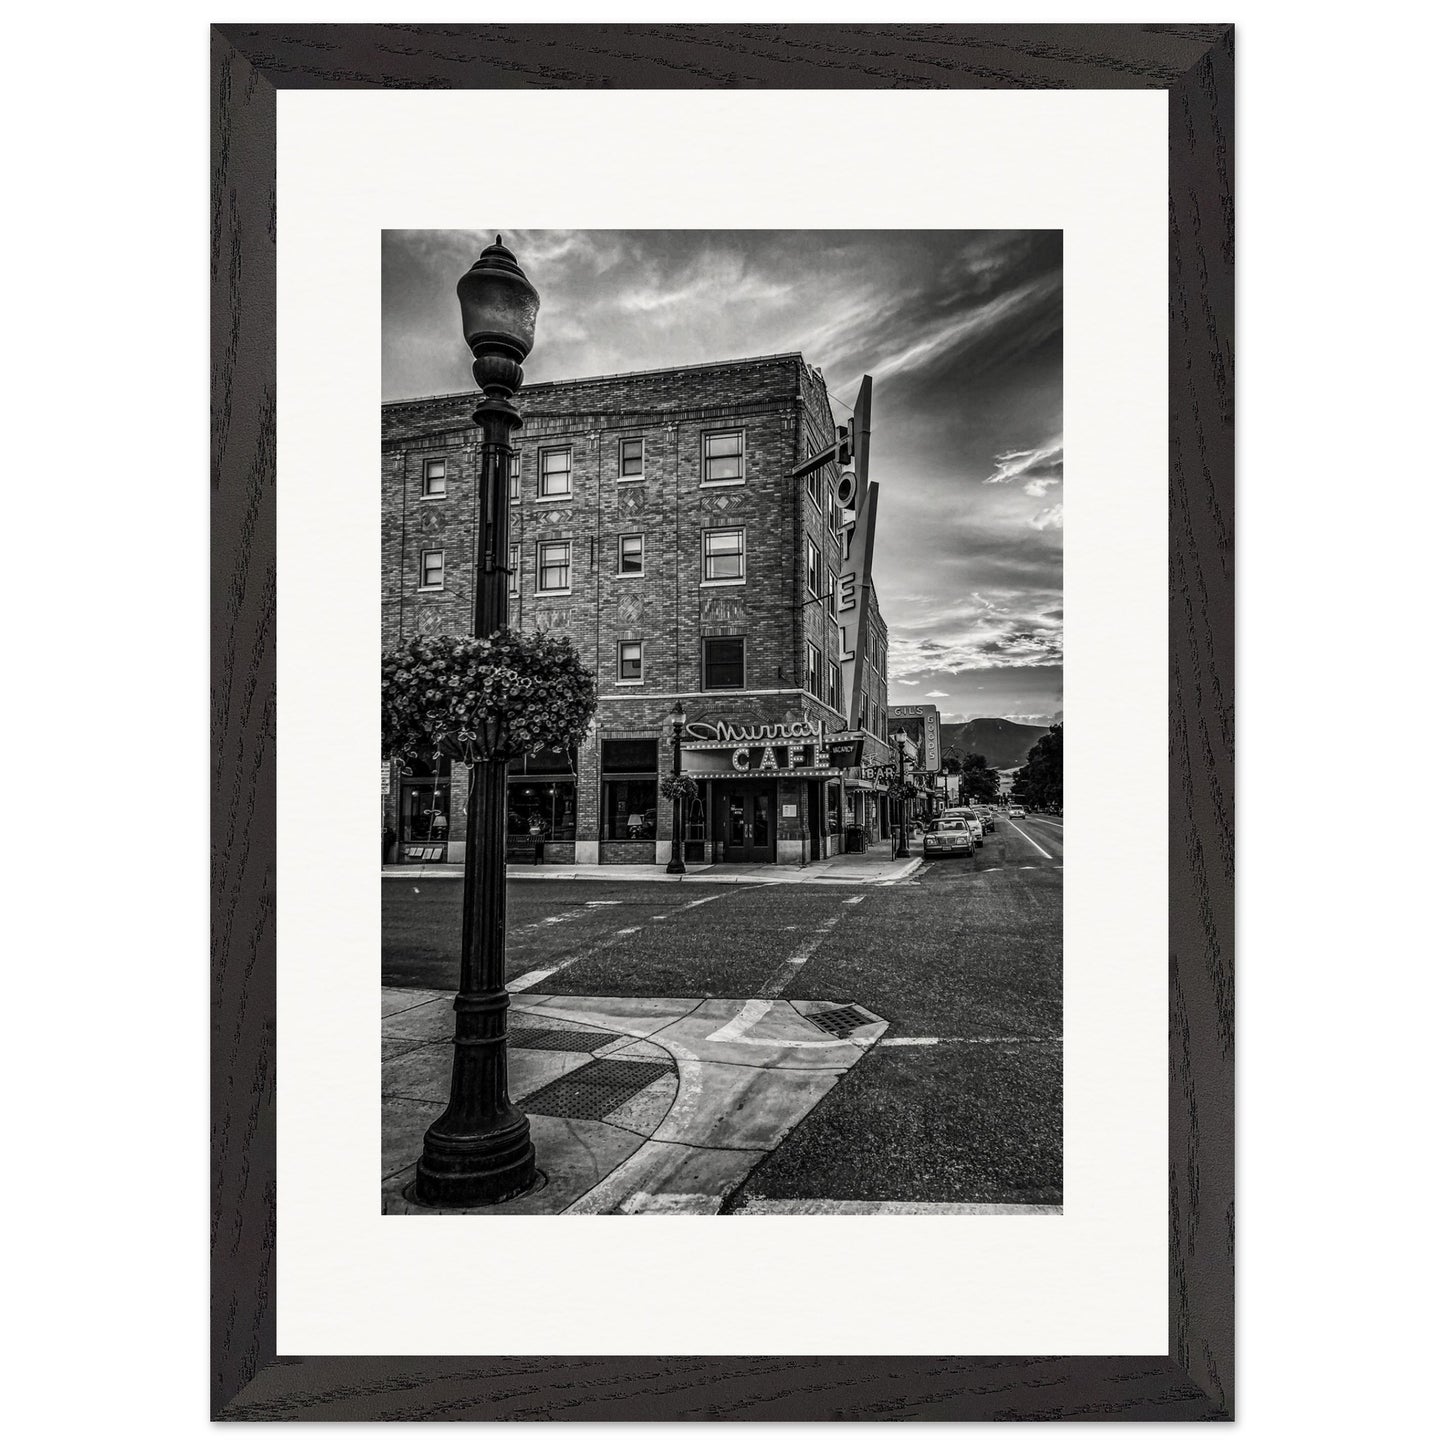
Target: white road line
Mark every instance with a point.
(875, 1206)
(644, 1203)
(858, 899)
(531, 980)
(623, 932)
(1030, 841)
(1044, 823)
(925, 1041)
(789, 971)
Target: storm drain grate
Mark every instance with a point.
(596, 1089)
(576, 1041)
(840, 1022)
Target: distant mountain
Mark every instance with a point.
(1005, 744)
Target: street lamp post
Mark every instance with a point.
(480, 1150)
(902, 803)
(678, 718)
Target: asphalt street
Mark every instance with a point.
(962, 1099)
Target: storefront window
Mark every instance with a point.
(542, 795)
(546, 803)
(629, 790)
(426, 800)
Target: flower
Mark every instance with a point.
(464, 695)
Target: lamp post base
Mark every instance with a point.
(463, 1170)
(676, 865)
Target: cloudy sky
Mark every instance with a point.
(962, 334)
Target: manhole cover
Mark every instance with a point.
(596, 1089)
(576, 1041)
(840, 1022)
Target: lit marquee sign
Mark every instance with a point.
(785, 747)
(761, 747)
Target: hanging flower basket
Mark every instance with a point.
(484, 698)
(899, 791)
(678, 785)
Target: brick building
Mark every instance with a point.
(656, 522)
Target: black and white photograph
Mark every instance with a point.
(721, 787)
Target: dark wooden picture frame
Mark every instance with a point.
(1193, 1381)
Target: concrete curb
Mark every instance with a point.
(784, 874)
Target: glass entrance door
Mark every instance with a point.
(762, 824)
(747, 823)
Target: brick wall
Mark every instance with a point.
(781, 406)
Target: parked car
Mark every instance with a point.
(966, 815)
(1015, 811)
(949, 837)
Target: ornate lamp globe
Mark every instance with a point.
(499, 316)
(677, 718)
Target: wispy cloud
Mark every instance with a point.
(1038, 468)
(957, 334)
(962, 333)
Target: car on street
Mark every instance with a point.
(1015, 811)
(968, 816)
(949, 837)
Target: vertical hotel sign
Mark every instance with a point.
(859, 500)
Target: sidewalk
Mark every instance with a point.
(637, 1105)
(877, 865)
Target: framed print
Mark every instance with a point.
(687, 407)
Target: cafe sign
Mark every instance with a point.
(726, 732)
(780, 747)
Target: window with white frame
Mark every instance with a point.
(629, 662)
(815, 671)
(554, 566)
(434, 477)
(835, 686)
(724, 555)
(629, 555)
(815, 570)
(832, 593)
(514, 570)
(514, 477)
(433, 569)
(554, 472)
(722, 457)
(630, 459)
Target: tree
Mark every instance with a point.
(979, 780)
(951, 768)
(1039, 784)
